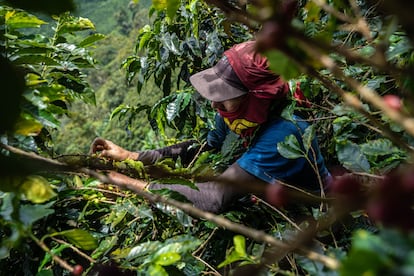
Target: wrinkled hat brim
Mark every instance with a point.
(214, 88)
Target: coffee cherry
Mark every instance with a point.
(77, 270)
(392, 101)
(346, 185)
(253, 199)
(271, 36)
(276, 195)
(348, 192)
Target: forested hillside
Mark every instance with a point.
(119, 21)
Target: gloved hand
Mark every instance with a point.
(106, 148)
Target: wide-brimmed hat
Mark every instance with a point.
(219, 83)
(241, 70)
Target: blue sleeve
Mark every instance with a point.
(215, 137)
(264, 161)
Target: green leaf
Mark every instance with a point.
(55, 251)
(35, 59)
(37, 189)
(282, 65)
(351, 157)
(18, 20)
(238, 253)
(72, 24)
(170, 5)
(168, 258)
(157, 270)
(308, 137)
(91, 39)
(29, 214)
(240, 245)
(290, 148)
(369, 255)
(140, 250)
(104, 246)
(43, 272)
(79, 238)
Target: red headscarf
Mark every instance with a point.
(265, 88)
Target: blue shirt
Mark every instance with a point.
(263, 160)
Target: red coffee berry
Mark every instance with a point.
(348, 193)
(77, 270)
(271, 36)
(253, 199)
(346, 185)
(392, 101)
(379, 212)
(276, 195)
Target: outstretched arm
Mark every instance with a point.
(185, 150)
(217, 196)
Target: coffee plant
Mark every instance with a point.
(60, 215)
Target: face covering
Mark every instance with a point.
(252, 112)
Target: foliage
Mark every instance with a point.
(68, 220)
(175, 46)
(53, 69)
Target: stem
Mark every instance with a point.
(75, 249)
(56, 258)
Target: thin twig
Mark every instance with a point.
(280, 213)
(215, 272)
(75, 249)
(56, 258)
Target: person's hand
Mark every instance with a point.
(106, 148)
(124, 181)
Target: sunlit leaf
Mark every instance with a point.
(18, 20)
(27, 126)
(91, 39)
(240, 245)
(157, 270)
(73, 24)
(79, 238)
(37, 189)
(170, 5)
(34, 79)
(167, 258)
(238, 252)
